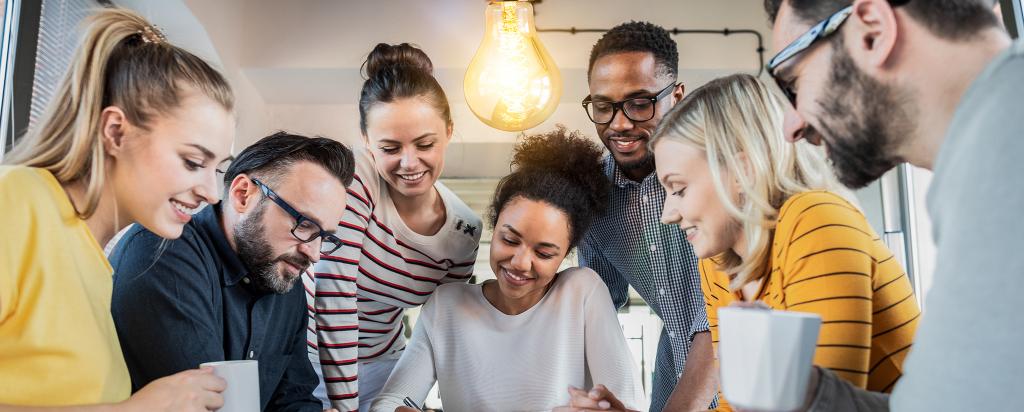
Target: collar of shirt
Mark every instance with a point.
(619, 179)
(208, 220)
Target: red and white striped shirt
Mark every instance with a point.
(382, 268)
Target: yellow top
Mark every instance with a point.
(826, 259)
(58, 345)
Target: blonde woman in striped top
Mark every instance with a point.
(769, 222)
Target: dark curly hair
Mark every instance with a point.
(638, 36)
(561, 169)
(396, 72)
(948, 19)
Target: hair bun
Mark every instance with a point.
(386, 57)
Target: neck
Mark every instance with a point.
(106, 220)
(637, 174)
(510, 305)
(943, 89)
(413, 204)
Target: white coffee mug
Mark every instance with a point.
(766, 356)
(243, 391)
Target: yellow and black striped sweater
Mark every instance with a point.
(826, 259)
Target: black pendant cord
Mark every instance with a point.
(676, 31)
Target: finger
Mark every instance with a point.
(212, 401)
(599, 392)
(212, 383)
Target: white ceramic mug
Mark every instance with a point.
(766, 357)
(243, 391)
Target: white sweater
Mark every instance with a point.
(485, 360)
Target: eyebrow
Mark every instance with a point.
(631, 95)
(541, 244)
(207, 153)
(421, 137)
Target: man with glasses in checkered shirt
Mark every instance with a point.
(633, 83)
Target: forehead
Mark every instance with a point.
(677, 158)
(313, 191)
(536, 221)
(198, 120)
(619, 74)
(788, 27)
(402, 118)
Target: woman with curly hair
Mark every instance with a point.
(516, 342)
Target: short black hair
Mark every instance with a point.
(271, 156)
(948, 19)
(561, 169)
(638, 36)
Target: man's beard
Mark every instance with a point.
(256, 255)
(863, 122)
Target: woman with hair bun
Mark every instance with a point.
(134, 134)
(517, 342)
(404, 232)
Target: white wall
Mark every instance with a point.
(295, 64)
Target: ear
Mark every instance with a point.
(113, 124)
(449, 132)
(242, 194)
(677, 93)
(871, 39)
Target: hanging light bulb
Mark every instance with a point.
(512, 83)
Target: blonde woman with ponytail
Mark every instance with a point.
(771, 223)
(134, 135)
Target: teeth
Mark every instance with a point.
(183, 209)
(517, 278)
(413, 176)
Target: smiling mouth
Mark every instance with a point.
(689, 232)
(626, 144)
(412, 177)
(184, 208)
(515, 279)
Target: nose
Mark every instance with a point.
(793, 125)
(207, 191)
(311, 250)
(521, 260)
(620, 122)
(670, 213)
(408, 159)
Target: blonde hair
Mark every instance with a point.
(123, 61)
(737, 122)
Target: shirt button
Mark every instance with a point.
(252, 354)
(671, 334)
(654, 248)
(679, 376)
(661, 291)
(643, 198)
(245, 280)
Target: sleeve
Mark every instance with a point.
(163, 306)
(415, 372)
(337, 318)
(590, 256)
(294, 393)
(827, 270)
(608, 357)
(839, 395)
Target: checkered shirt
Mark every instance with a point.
(630, 247)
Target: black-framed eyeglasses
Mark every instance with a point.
(819, 31)
(637, 109)
(305, 230)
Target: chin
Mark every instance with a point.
(167, 230)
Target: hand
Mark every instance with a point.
(597, 399)
(196, 390)
(406, 409)
(330, 410)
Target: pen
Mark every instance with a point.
(408, 402)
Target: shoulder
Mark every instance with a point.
(579, 280)
(139, 249)
(365, 182)
(447, 296)
(819, 208)
(25, 188)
